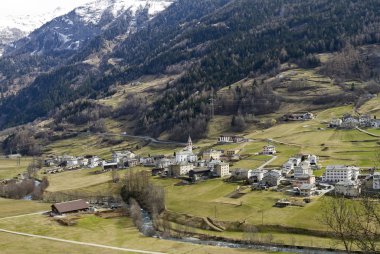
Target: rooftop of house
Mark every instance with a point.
(341, 167)
(71, 206)
(307, 186)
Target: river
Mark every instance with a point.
(148, 230)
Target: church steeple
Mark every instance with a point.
(189, 144)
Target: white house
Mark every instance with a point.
(222, 170)
(241, 174)
(313, 159)
(307, 190)
(180, 169)
(271, 178)
(338, 173)
(376, 181)
(164, 162)
(303, 170)
(375, 123)
(295, 160)
(211, 155)
(335, 123)
(118, 157)
(257, 175)
(348, 188)
(269, 150)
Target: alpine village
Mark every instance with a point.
(190, 126)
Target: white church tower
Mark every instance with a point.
(189, 144)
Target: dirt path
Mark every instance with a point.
(22, 215)
(368, 133)
(268, 162)
(79, 243)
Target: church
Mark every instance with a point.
(186, 155)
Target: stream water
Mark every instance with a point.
(148, 230)
(29, 196)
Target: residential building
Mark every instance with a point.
(338, 173)
(130, 163)
(303, 170)
(335, 123)
(295, 160)
(376, 181)
(230, 139)
(298, 116)
(256, 176)
(222, 170)
(118, 157)
(241, 174)
(211, 155)
(348, 188)
(180, 169)
(200, 174)
(303, 180)
(271, 178)
(375, 123)
(147, 161)
(165, 162)
(93, 161)
(307, 190)
(269, 150)
(109, 165)
(231, 152)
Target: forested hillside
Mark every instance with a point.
(210, 44)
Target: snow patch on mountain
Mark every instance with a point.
(92, 12)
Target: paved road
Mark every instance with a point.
(153, 140)
(79, 243)
(268, 162)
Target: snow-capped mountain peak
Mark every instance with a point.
(93, 11)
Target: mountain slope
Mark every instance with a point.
(210, 45)
(57, 41)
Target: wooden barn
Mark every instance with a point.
(69, 207)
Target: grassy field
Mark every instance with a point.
(211, 197)
(9, 168)
(118, 232)
(11, 207)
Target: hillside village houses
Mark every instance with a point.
(298, 116)
(350, 122)
(230, 139)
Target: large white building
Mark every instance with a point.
(376, 181)
(338, 173)
(186, 155)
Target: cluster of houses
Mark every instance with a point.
(304, 116)
(62, 163)
(226, 139)
(350, 122)
(185, 164)
(296, 176)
